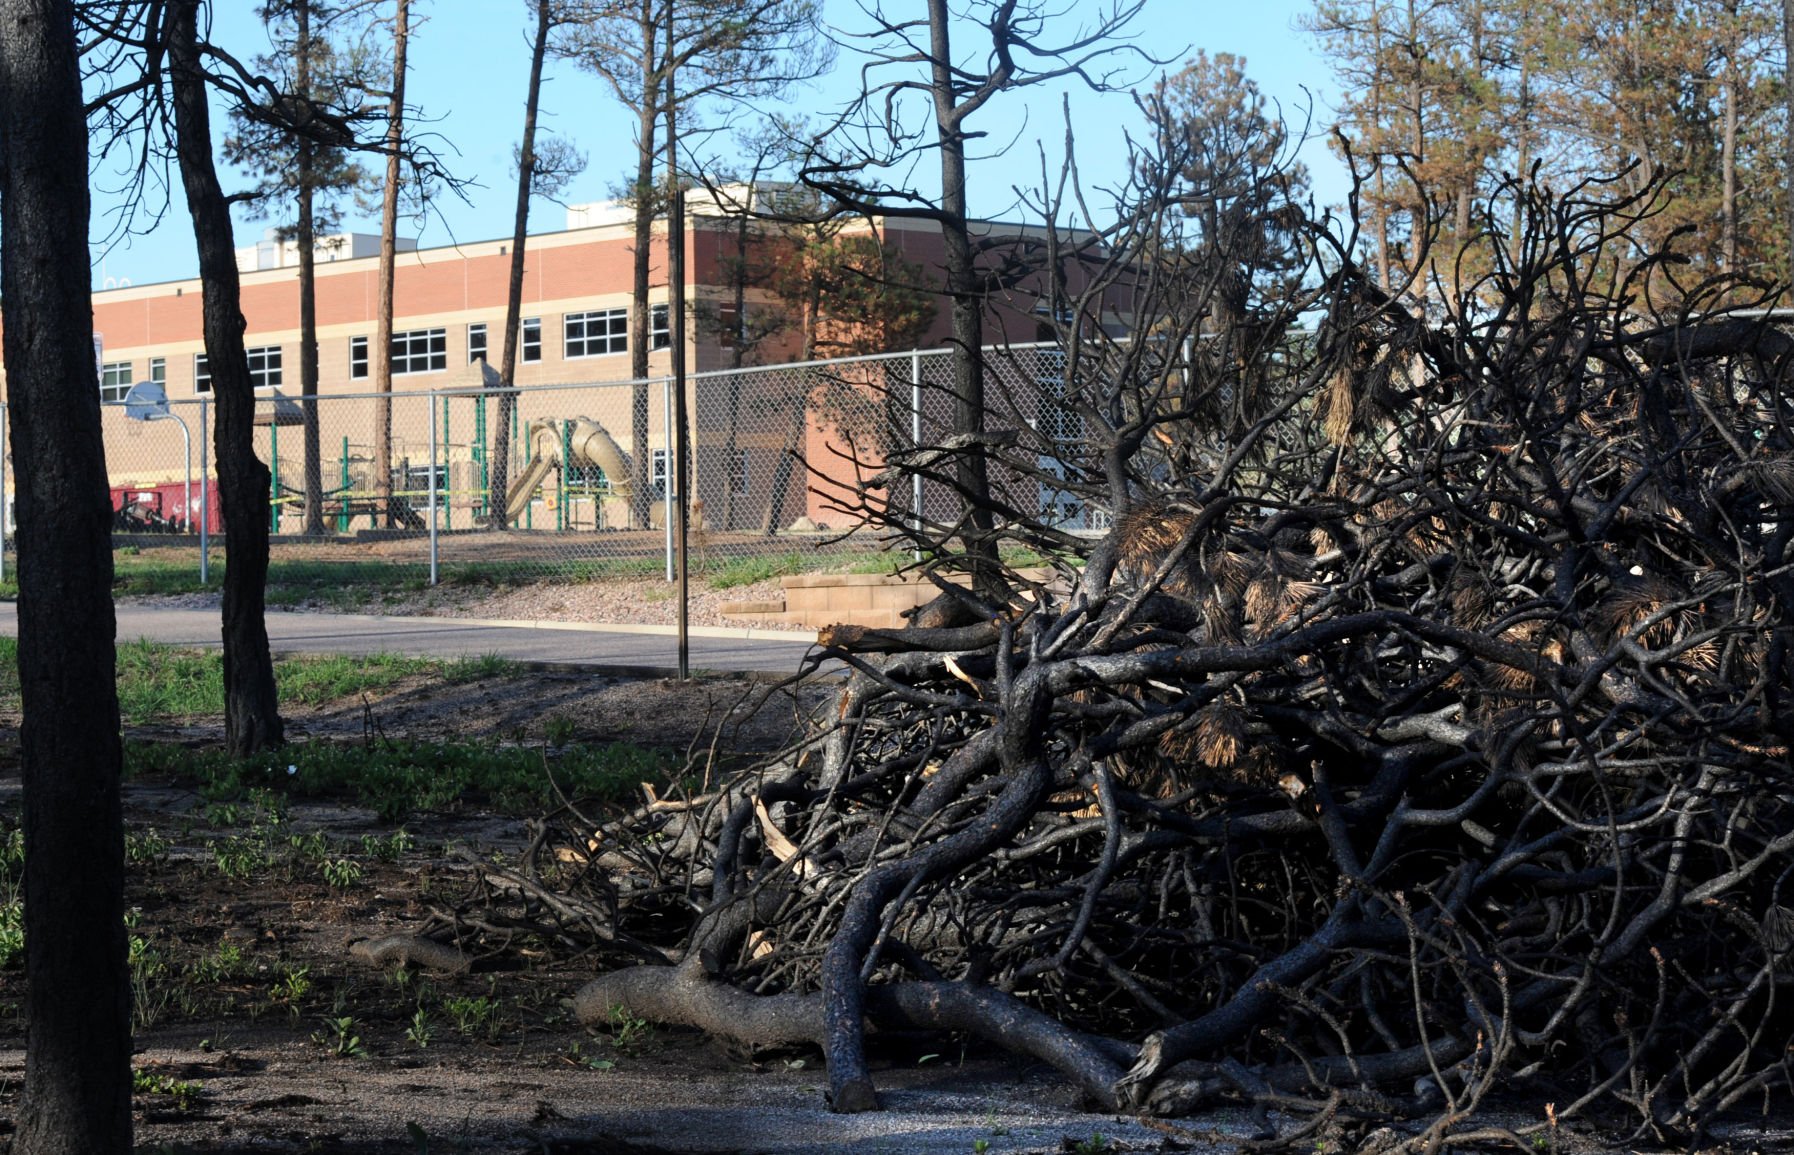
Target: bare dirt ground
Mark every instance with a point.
(257, 1032)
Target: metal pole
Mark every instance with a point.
(676, 323)
(187, 454)
(564, 487)
(915, 440)
(342, 519)
(433, 570)
(668, 479)
(274, 473)
(448, 496)
(205, 499)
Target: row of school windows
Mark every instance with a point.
(598, 333)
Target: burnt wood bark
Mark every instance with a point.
(966, 296)
(77, 1094)
(305, 235)
(500, 484)
(251, 707)
(381, 353)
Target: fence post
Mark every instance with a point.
(205, 495)
(433, 571)
(915, 442)
(564, 486)
(342, 517)
(274, 472)
(448, 493)
(667, 477)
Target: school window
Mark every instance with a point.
(660, 330)
(264, 367)
(657, 476)
(738, 473)
(728, 326)
(115, 380)
(419, 351)
(530, 339)
(476, 342)
(202, 374)
(597, 333)
(358, 358)
(158, 370)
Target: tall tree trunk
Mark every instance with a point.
(500, 477)
(381, 353)
(77, 1095)
(638, 301)
(1728, 163)
(304, 162)
(966, 302)
(1788, 133)
(251, 707)
(737, 353)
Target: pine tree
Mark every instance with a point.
(305, 173)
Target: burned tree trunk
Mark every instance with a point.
(500, 486)
(77, 1096)
(252, 708)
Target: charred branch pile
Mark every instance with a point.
(1430, 729)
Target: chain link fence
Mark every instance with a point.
(572, 482)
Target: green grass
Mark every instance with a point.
(397, 778)
(9, 671)
(743, 571)
(354, 584)
(157, 682)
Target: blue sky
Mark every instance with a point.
(470, 61)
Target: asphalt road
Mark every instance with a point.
(638, 650)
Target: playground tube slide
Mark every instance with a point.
(588, 443)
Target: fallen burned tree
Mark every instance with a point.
(1428, 732)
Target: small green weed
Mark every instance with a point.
(342, 873)
(576, 1055)
(238, 857)
(12, 855)
(12, 932)
(145, 847)
(224, 963)
(311, 847)
(147, 967)
(389, 848)
(291, 988)
(421, 1030)
(473, 1016)
(339, 1038)
(627, 1031)
(184, 1095)
(559, 729)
